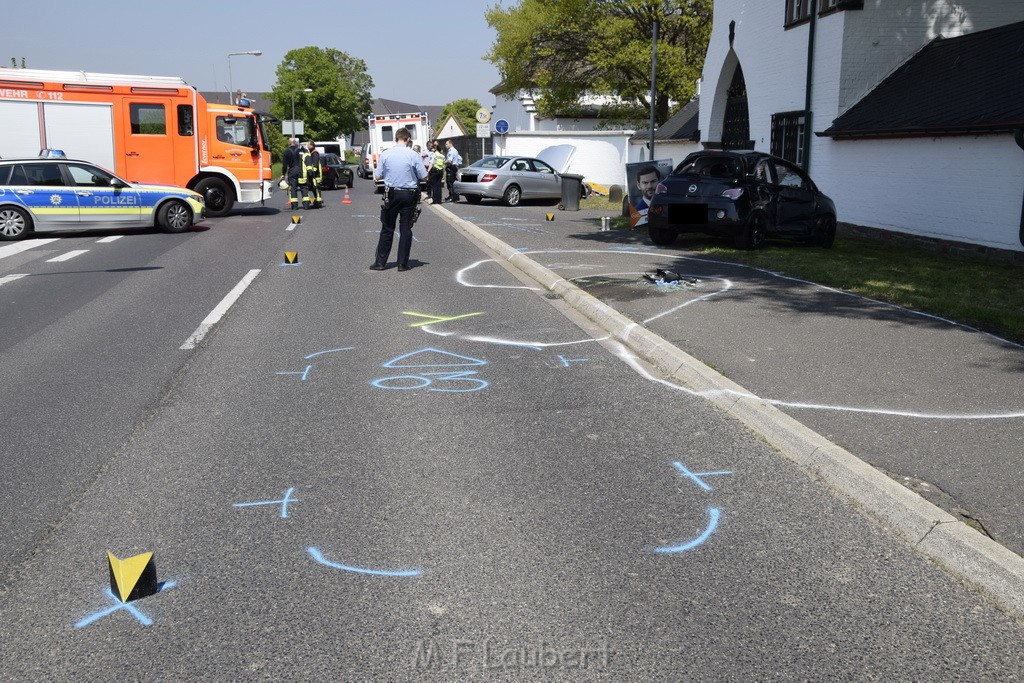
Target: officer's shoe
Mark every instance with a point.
(305, 206)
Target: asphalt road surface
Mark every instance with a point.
(441, 474)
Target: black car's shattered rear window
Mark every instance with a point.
(713, 166)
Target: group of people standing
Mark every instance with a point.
(401, 167)
(301, 168)
(441, 169)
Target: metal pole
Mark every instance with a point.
(654, 91)
(231, 85)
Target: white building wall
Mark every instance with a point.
(674, 150)
(966, 189)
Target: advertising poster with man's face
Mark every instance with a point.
(643, 178)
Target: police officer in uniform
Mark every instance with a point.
(290, 169)
(401, 169)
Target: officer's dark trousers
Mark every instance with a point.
(435, 184)
(400, 208)
(449, 174)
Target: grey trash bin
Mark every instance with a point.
(572, 188)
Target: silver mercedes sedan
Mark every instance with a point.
(509, 179)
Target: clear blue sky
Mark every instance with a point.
(425, 53)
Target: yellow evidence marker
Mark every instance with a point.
(296, 219)
(134, 577)
(550, 216)
(291, 257)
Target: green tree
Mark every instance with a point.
(464, 110)
(340, 99)
(563, 49)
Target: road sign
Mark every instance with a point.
(501, 126)
(483, 130)
(483, 115)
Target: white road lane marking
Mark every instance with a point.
(68, 256)
(218, 312)
(112, 238)
(11, 278)
(12, 249)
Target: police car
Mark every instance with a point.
(54, 193)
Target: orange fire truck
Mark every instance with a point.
(147, 129)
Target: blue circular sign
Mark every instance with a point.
(501, 126)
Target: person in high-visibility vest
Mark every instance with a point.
(313, 176)
(303, 179)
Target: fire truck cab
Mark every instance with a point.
(146, 129)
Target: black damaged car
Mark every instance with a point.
(748, 196)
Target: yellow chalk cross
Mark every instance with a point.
(436, 318)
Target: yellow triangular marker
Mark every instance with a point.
(291, 257)
(134, 577)
(550, 216)
(296, 219)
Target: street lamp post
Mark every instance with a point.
(668, 8)
(654, 91)
(293, 107)
(231, 86)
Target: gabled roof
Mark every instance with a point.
(680, 126)
(383, 106)
(952, 86)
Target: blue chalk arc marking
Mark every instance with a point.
(714, 514)
(318, 556)
(466, 360)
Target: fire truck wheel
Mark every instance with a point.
(219, 197)
(174, 216)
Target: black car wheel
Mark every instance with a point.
(753, 234)
(219, 197)
(824, 233)
(331, 183)
(513, 195)
(663, 237)
(174, 216)
(14, 223)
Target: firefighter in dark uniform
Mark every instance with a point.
(290, 169)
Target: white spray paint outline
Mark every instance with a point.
(630, 359)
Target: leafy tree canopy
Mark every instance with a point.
(464, 110)
(340, 101)
(563, 49)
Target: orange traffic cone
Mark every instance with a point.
(346, 199)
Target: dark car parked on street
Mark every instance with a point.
(748, 196)
(335, 172)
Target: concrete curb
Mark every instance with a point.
(967, 554)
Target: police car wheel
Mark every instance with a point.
(174, 217)
(14, 223)
(218, 196)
